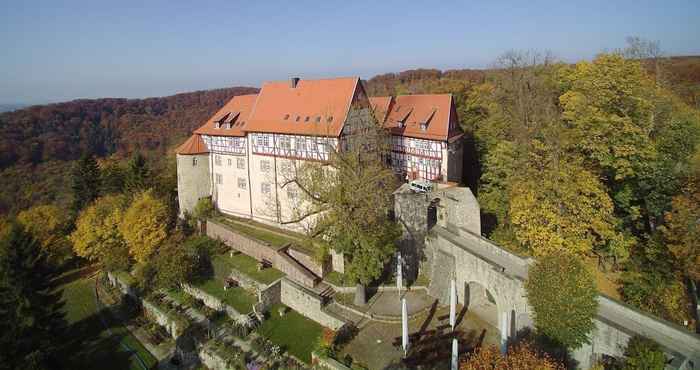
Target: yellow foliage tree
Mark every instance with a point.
(96, 232)
(564, 207)
(519, 357)
(48, 224)
(144, 226)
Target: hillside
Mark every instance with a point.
(39, 143)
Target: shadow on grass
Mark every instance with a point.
(86, 344)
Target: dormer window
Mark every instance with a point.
(318, 118)
(400, 124)
(307, 119)
(286, 117)
(423, 126)
(330, 119)
(217, 125)
(298, 118)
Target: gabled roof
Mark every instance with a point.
(235, 113)
(193, 145)
(312, 107)
(433, 110)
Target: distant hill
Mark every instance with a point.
(11, 107)
(63, 131)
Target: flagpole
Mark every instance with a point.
(404, 327)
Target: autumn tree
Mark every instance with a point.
(178, 262)
(349, 198)
(522, 356)
(97, 236)
(49, 225)
(563, 295)
(643, 354)
(144, 226)
(85, 182)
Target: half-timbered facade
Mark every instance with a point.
(252, 144)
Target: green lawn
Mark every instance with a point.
(262, 233)
(223, 264)
(294, 332)
(238, 298)
(87, 344)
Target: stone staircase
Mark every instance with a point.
(325, 291)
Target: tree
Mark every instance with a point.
(563, 295)
(348, 199)
(97, 236)
(178, 262)
(112, 177)
(30, 315)
(519, 357)
(86, 182)
(643, 354)
(144, 225)
(49, 225)
(137, 174)
(565, 207)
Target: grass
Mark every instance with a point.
(238, 298)
(223, 264)
(294, 332)
(87, 344)
(264, 234)
(337, 279)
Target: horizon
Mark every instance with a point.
(83, 50)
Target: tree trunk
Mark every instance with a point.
(360, 295)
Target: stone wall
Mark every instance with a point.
(309, 261)
(162, 318)
(212, 302)
(123, 286)
(262, 251)
(256, 249)
(211, 360)
(307, 303)
(246, 282)
(193, 180)
(411, 212)
(327, 363)
(271, 295)
(338, 261)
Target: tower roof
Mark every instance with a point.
(193, 145)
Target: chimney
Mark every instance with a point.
(293, 82)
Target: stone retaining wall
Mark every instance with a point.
(246, 282)
(309, 261)
(263, 251)
(270, 295)
(123, 287)
(162, 319)
(327, 363)
(212, 302)
(308, 304)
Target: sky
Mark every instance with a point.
(60, 50)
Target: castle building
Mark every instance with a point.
(243, 155)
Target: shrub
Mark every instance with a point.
(204, 208)
(519, 357)
(644, 354)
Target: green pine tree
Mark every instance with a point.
(137, 174)
(86, 182)
(30, 315)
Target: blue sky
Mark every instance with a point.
(61, 50)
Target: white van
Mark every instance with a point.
(421, 186)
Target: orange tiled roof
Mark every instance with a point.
(193, 145)
(436, 110)
(235, 113)
(313, 107)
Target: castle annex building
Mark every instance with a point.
(242, 154)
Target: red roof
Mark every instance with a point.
(233, 117)
(313, 107)
(193, 145)
(434, 111)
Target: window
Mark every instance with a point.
(330, 119)
(217, 160)
(263, 140)
(286, 117)
(285, 142)
(400, 124)
(229, 162)
(194, 161)
(286, 167)
(217, 125)
(240, 163)
(423, 126)
(265, 188)
(291, 193)
(300, 144)
(242, 184)
(219, 179)
(306, 119)
(265, 166)
(318, 118)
